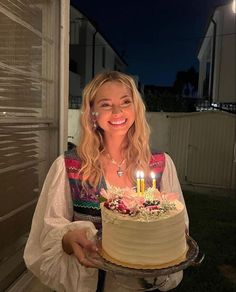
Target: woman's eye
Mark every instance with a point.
(126, 102)
(105, 105)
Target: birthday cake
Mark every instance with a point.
(143, 231)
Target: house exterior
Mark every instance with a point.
(217, 59)
(90, 53)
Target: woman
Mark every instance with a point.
(114, 143)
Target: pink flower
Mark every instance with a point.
(123, 208)
(153, 207)
(133, 202)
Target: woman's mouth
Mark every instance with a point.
(118, 123)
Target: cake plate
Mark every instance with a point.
(193, 258)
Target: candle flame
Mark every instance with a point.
(141, 174)
(153, 175)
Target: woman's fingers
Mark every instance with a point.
(79, 252)
(76, 242)
(82, 240)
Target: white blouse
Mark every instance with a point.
(44, 254)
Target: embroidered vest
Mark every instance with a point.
(85, 198)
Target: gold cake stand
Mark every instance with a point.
(193, 257)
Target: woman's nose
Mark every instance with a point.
(116, 109)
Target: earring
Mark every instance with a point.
(94, 114)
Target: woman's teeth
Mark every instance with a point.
(118, 122)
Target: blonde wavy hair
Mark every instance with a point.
(91, 142)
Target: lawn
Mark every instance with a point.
(213, 226)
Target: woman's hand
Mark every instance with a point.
(76, 242)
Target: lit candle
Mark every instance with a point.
(154, 183)
(142, 182)
(138, 181)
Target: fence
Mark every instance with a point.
(202, 146)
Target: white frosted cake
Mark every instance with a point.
(143, 232)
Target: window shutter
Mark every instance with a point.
(29, 58)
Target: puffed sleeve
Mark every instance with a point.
(44, 254)
(170, 183)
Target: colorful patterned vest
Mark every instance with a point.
(86, 198)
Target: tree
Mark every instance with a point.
(186, 83)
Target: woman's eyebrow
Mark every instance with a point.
(108, 99)
(103, 99)
(126, 95)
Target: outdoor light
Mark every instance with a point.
(234, 6)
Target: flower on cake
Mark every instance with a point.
(127, 201)
(133, 202)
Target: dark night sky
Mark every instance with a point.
(156, 38)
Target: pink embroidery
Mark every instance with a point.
(157, 163)
(73, 167)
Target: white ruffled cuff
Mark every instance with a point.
(60, 271)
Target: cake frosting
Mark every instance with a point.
(143, 231)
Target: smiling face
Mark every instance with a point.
(114, 107)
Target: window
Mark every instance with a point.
(75, 101)
(29, 58)
(73, 66)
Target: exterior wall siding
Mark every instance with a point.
(202, 146)
(224, 85)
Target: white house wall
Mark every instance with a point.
(73, 125)
(218, 18)
(224, 80)
(76, 19)
(82, 51)
(226, 91)
(205, 56)
(100, 43)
